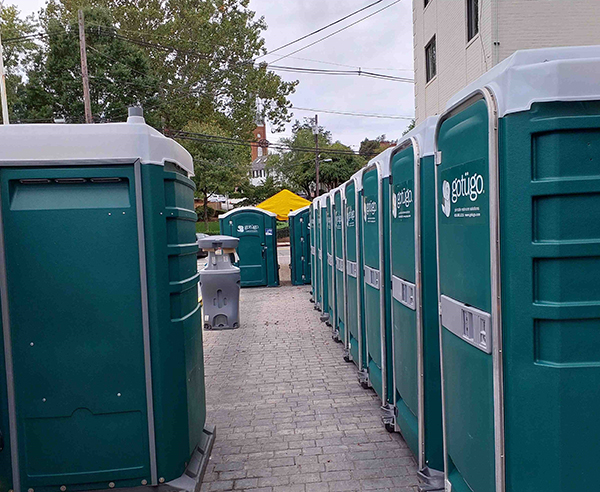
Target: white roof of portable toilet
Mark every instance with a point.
(384, 159)
(542, 75)
(248, 209)
(341, 188)
(298, 211)
(105, 143)
(357, 178)
(424, 134)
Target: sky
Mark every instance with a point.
(381, 44)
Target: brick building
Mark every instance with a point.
(260, 152)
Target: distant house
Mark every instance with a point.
(219, 202)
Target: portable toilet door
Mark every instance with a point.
(100, 315)
(257, 251)
(324, 260)
(339, 233)
(6, 481)
(313, 252)
(352, 251)
(330, 262)
(415, 323)
(518, 205)
(376, 285)
(316, 237)
(299, 224)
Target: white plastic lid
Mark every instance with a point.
(298, 211)
(541, 75)
(424, 134)
(357, 178)
(247, 209)
(46, 144)
(384, 160)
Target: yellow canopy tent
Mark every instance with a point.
(283, 203)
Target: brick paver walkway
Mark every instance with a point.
(290, 414)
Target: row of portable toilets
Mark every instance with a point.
(460, 271)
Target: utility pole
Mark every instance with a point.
(316, 134)
(84, 70)
(3, 85)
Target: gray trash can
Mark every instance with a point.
(220, 283)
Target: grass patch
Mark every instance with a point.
(213, 227)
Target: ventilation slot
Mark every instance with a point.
(70, 180)
(34, 181)
(105, 180)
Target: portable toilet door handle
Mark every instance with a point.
(264, 249)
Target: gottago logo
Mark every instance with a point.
(403, 198)
(370, 211)
(466, 186)
(338, 221)
(350, 217)
(247, 228)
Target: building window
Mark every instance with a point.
(260, 151)
(430, 62)
(472, 19)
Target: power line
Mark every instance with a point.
(215, 139)
(322, 28)
(274, 67)
(338, 31)
(318, 71)
(350, 113)
(351, 66)
(26, 37)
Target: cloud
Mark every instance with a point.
(383, 41)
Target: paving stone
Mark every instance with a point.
(290, 414)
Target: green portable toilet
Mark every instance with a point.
(415, 322)
(316, 279)
(354, 277)
(518, 206)
(313, 251)
(376, 284)
(300, 255)
(101, 375)
(257, 230)
(325, 231)
(339, 331)
(329, 243)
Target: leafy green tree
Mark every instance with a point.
(297, 167)
(219, 168)
(202, 52)
(371, 148)
(257, 194)
(120, 73)
(16, 48)
(337, 168)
